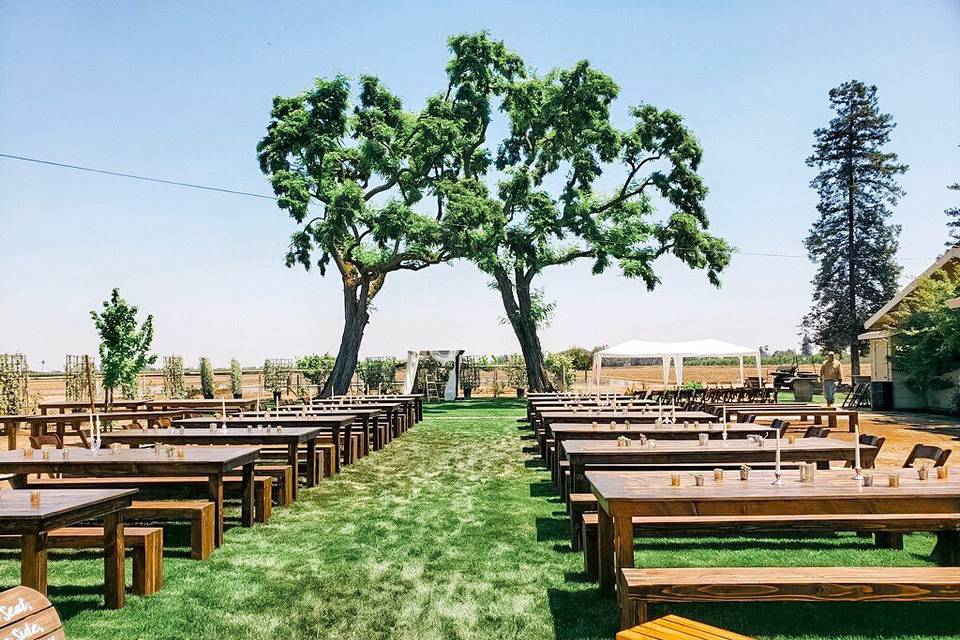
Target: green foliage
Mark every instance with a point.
(173, 380)
(378, 373)
(124, 345)
(927, 345)
(206, 378)
(276, 374)
(13, 383)
(953, 219)
(316, 368)
(517, 372)
(469, 372)
(856, 181)
(236, 378)
(560, 368)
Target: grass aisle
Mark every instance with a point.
(452, 532)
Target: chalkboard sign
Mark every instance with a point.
(26, 614)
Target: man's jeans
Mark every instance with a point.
(830, 390)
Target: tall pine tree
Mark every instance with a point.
(953, 220)
(852, 241)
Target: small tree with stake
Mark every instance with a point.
(206, 378)
(236, 378)
(124, 345)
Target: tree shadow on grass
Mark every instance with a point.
(542, 489)
(580, 613)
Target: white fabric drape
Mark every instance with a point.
(410, 377)
(445, 358)
(741, 370)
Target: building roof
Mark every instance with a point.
(952, 254)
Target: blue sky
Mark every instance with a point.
(182, 91)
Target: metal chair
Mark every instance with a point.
(927, 452)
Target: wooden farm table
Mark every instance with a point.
(413, 403)
(213, 462)
(291, 437)
(368, 414)
(68, 407)
(583, 453)
(621, 495)
(201, 403)
(78, 421)
(818, 414)
(62, 509)
(332, 424)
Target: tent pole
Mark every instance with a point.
(759, 370)
(742, 379)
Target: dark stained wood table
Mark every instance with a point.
(328, 423)
(213, 462)
(77, 421)
(211, 404)
(583, 453)
(621, 495)
(62, 509)
(366, 415)
(413, 401)
(74, 405)
(291, 437)
(817, 413)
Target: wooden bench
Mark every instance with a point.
(28, 615)
(639, 587)
(888, 529)
(262, 486)
(676, 628)
(282, 475)
(199, 513)
(146, 543)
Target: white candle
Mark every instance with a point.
(778, 454)
(223, 408)
(856, 450)
(91, 427)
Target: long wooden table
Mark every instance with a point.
(290, 437)
(62, 509)
(367, 415)
(212, 404)
(335, 424)
(397, 412)
(74, 405)
(412, 402)
(583, 453)
(817, 413)
(212, 462)
(622, 495)
(77, 421)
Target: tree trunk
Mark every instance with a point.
(355, 318)
(852, 265)
(518, 311)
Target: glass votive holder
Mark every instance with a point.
(66, 453)
(923, 473)
(674, 479)
(703, 438)
(45, 452)
(170, 452)
(942, 473)
(791, 439)
(744, 473)
(652, 444)
(804, 474)
(594, 425)
(613, 425)
(181, 452)
(718, 475)
(626, 425)
(249, 428)
(868, 479)
(698, 479)
(213, 427)
(893, 480)
(28, 453)
(35, 498)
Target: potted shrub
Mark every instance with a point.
(236, 379)
(206, 378)
(517, 375)
(469, 376)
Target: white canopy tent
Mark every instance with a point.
(443, 357)
(675, 351)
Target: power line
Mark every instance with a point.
(191, 185)
(120, 174)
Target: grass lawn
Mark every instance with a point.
(452, 532)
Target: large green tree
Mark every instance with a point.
(366, 181)
(124, 344)
(852, 241)
(549, 210)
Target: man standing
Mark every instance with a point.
(831, 375)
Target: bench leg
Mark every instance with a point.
(608, 574)
(148, 566)
(216, 497)
(885, 540)
(947, 548)
(293, 459)
(263, 501)
(247, 495)
(114, 554)
(311, 467)
(202, 535)
(591, 555)
(33, 561)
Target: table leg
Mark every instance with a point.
(605, 561)
(216, 497)
(293, 459)
(366, 434)
(312, 466)
(33, 561)
(377, 440)
(246, 491)
(623, 543)
(338, 453)
(853, 421)
(12, 428)
(114, 550)
(832, 422)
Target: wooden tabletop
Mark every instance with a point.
(75, 404)
(220, 436)
(325, 420)
(791, 411)
(834, 485)
(800, 448)
(193, 403)
(620, 415)
(86, 416)
(368, 411)
(146, 462)
(57, 508)
(574, 431)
